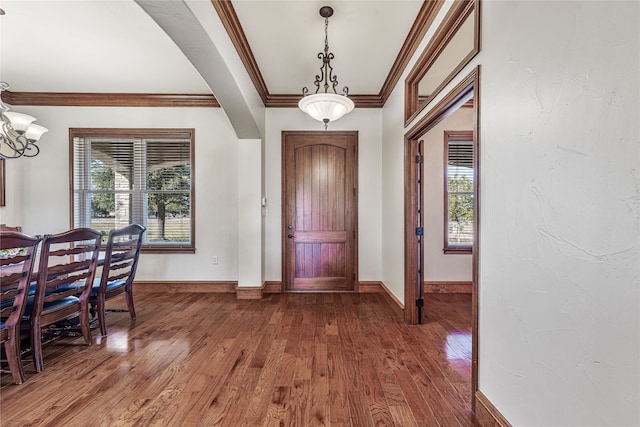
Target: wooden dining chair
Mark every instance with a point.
(118, 271)
(65, 276)
(16, 267)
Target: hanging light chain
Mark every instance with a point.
(326, 79)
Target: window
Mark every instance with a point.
(459, 182)
(143, 176)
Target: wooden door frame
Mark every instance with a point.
(451, 102)
(284, 199)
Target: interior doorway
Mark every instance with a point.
(415, 306)
(319, 197)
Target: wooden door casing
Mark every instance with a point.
(319, 210)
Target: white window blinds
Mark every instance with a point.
(144, 178)
(459, 190)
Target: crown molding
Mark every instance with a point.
(291, 101)
(231, 23)
(423, 21)
(76, 99)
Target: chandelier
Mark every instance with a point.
(325, 106)
(18, 132)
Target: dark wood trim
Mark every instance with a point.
(77, 99)
(458, 250)
(447, 287)
(475, 260)
(291, 101)
(3, 178)
(426, 15)
(370, 287)
(185, 286)
(488, 415)
(130, 132)
(412, 205)
(282, 101)
(468, 104)
(231, 23)
(470, 85)
(397, 305)
(250, 292)
(273, 287)
(456, 16)
(446, 106)
(458, 135)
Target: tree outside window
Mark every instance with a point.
(143, 176)
(459, 191)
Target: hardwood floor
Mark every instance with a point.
(288, 360)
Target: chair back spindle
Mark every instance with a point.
(66, 273)
(118, 270)
(17, 253)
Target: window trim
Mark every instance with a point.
(455, 135)
(142, 133)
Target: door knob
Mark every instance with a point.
(290, 236)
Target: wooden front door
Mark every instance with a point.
(319, 210)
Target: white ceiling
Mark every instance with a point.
(364, 36)
(115, 47)
(90, 46)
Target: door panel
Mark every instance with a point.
(319, 215)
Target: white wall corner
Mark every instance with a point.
(249, 212)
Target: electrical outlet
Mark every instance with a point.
(215, 260)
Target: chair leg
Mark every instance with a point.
(102, 320)
(129, 297)
(36, 347)
(12, 349)
(84, 323)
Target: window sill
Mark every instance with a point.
(167, 249)
(454, 250)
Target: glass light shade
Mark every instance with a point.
(19, 122)
(326, 107)
(34, 132)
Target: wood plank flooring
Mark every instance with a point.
(287, 360)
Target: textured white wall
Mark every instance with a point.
(368, 123)
(439, 266)
(560, 203)
(39, 187)
(392, 171)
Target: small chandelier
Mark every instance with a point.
(326, 107)
(18, 132)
